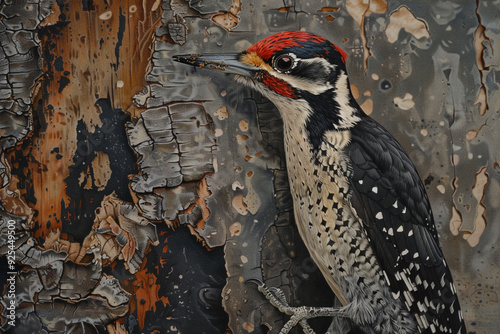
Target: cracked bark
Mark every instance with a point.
(205, 156)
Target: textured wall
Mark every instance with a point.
(145, 194)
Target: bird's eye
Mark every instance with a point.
(284, 63)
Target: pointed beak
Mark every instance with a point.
(228, 63)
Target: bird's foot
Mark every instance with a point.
(298, 315)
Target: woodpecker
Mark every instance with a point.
(359, 204)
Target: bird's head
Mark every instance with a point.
(293, 68)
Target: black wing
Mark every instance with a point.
(390, 198)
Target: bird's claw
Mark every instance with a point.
(298, 315)
(255, 281)
(277, 298)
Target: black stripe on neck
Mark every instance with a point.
(325, 115)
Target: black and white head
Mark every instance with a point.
(304, 75)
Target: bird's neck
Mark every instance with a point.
(313, 116)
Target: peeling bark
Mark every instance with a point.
(148, 195)
(480, 41)
(228, 19)
(60, 293)
(480, 221)
(359, 10)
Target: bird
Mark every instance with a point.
(359, 203)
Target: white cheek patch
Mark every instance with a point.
(294, 111)
(314, 87)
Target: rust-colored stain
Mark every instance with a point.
(94, 54)
(328, 9)
(146, 294)
(203, 193)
